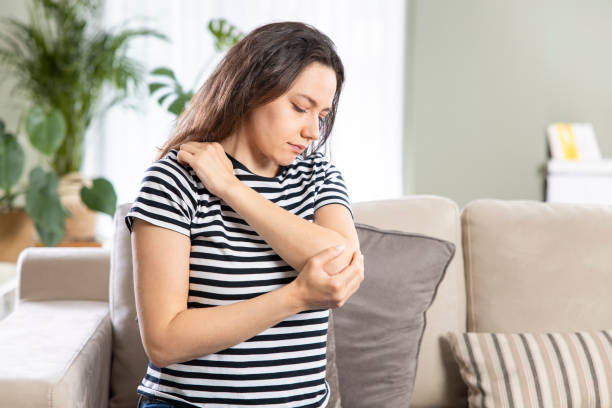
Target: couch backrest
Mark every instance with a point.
(130, 361)
(437, 382)
(537, 267)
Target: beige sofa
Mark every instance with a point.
(73, 341)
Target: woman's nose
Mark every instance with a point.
(312, 129)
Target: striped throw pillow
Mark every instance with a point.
(535, 369)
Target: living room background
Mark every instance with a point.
(446, 98)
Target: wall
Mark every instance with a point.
(486, 77)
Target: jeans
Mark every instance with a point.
(153, 404)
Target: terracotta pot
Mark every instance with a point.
(81, 224)
(17, 232)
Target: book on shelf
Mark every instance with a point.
(573, 142)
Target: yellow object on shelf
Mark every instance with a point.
(573, 142)
(568, 141)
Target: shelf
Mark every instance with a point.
(601, 167)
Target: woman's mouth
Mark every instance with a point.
(297, 148)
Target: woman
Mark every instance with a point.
(225, 218)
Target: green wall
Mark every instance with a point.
(485, 78)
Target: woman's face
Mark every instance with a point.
(275, 129)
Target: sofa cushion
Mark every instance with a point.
(438, 217)
(379, 329)
(536, 369)
(65, 339)
(130, 361)
(537, 267)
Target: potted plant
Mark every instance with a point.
(170, 92)
(62, 64)
(43, 207)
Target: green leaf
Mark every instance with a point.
(12, 159)
(155, 86)
(226, 35)
(46, 130)
(101, 197)
(44, 206)
(179, 104)
(50, 236)
(164, 72)
(163, 98)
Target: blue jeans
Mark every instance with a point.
(153, 404)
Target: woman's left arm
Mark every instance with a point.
(332, 225)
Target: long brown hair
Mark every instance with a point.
(258, 69)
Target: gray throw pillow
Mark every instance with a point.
(378, 331)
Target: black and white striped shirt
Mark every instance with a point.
(283, 366)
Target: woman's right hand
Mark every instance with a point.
(316, 289)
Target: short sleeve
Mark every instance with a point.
(332, 189)
(167, 197)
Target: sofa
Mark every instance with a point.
(518, 266)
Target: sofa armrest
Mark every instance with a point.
(56, 354)
(63, 273)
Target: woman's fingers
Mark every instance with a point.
(327, 255)
(329, 291)
(351, 276)
(183, 158)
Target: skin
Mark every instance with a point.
(261, 143)
(327, 278)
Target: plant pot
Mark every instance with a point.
(81, 224)
(17, 232)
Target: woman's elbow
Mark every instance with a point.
(337, 264)
(155, 354)
(154, 346)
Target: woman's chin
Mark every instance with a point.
(288, 159)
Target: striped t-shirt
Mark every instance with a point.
(283, 366)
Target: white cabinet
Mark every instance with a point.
(577, 181)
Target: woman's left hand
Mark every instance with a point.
(211, 164)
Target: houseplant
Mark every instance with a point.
(66, 67)
(169, 90)
(44, 209)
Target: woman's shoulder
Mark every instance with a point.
(170, 166)
(318, 162)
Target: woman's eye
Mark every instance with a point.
(298, 109)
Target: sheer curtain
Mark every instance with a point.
(366, 143)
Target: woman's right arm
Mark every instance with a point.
(171, 333)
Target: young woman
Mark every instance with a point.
(242, 232)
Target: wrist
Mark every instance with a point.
(292, 298)
(232, 189)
